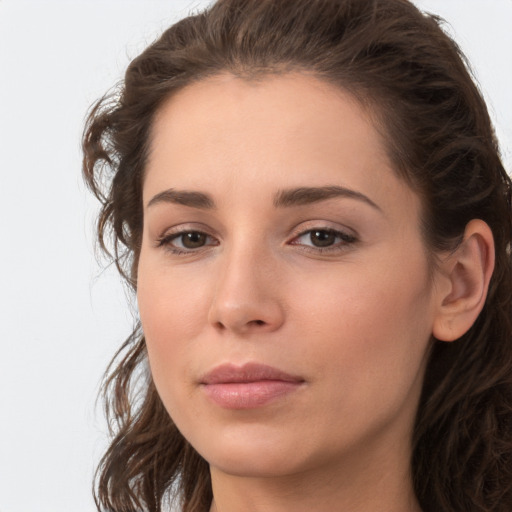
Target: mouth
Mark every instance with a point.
(249, 386)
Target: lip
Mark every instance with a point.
(249, 386)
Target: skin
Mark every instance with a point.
(353, 320)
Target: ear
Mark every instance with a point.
(465, 276)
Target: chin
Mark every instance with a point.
(253, 454)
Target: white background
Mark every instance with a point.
(61, 315)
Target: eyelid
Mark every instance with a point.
(348, 237)
(323, 225)
(171, 233)
(185, 227)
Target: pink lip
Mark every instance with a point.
(249, 386)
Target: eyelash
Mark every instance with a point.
(345, 241)
(166, 242)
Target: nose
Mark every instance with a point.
(248, 296)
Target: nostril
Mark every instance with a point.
(254, 323)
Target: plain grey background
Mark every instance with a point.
(62, 316)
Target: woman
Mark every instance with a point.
(308, 200)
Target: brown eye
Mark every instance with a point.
(322, 238)
(193, 239)
(186, 242)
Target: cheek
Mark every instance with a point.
(172, 310)
(371, 324)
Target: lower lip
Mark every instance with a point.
(248, 395)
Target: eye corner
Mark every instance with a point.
(324, 239)
(186, 241)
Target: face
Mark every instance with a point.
(283, 283)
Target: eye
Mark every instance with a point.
(191, 240)
(321, 238)
(324, 239)
(186, 241)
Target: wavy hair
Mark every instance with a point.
(401, 65)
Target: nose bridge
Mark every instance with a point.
(246, 296)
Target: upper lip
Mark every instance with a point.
(249, 372)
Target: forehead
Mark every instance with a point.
(229, 134)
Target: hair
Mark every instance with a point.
(401, 65)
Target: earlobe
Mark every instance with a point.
(466, 274)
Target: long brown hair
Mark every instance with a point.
(400, 64)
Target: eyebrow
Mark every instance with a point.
(183, 197)
(307, 195)
(283, 199)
